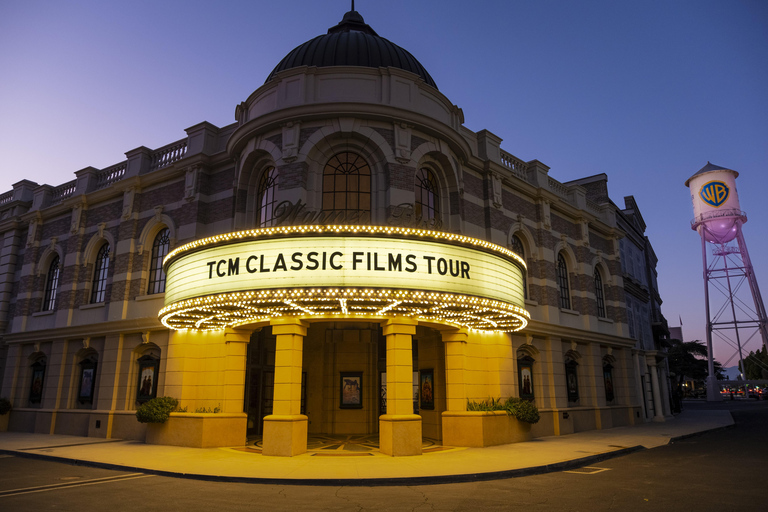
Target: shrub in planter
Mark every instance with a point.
(5, 406)
(522, 410)
(157, 410)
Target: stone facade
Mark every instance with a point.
(207, 184)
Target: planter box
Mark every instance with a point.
(4, 421)
(199, 430)
(478, 429)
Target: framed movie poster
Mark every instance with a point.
(38, 379)
(149, 367)
(572, 381)
(87, 381)
(427, 389)
(525, 377)
(351, 390)
(382, 393)
(608, 379)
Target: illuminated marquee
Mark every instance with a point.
(343, 271)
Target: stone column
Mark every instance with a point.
(455, 381)
(658, 413)
(400, 429)
(285, 430)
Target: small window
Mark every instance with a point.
(99, 289)
(347, 184)
(51, 285)
(517, 247)
(599, 294)
(265, 216)
(427, 199)
(159, 252)
(562, 283)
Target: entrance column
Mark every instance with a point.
(285, 430)
(400, 429)
(455, 342)
(657, 410)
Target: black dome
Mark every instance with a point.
(351, 43)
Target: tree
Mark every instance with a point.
(689, 359)
(756, 365)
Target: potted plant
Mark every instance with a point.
(5, 409)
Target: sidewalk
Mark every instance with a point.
(541, 455)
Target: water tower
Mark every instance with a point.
(718, 219)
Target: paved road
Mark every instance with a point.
(720, 471)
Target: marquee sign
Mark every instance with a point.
(343, 271)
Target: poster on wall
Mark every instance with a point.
(427, 389)
(36, 388)
(87, 381)
(572, 381)
(147, 386)
(608, 378)
(382, 393)
(525, 373)
(351, 390)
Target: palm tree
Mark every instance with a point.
(689, 359)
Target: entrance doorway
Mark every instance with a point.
(332, 350)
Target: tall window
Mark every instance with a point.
(159, 251)
(265, 216)
(347, 183)
(51, 285)
(517, 246)
(99, 288)
(562, 283)
(599, 293)
(427, 200)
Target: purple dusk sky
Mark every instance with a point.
(646, 92)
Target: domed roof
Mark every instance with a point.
(351, 43)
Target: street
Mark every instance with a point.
(717, 471)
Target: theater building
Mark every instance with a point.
(345, 258)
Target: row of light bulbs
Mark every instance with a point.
(220, 311)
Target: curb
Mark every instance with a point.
(368, 482)
(694, 434)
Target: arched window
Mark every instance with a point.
(51, 285)
(517, 246)
(427, 196)
(347, 183)
(159, 251)
(265, 206)
(562, 283)
(101, 268)
(599, 293)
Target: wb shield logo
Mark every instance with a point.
(714, 193)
